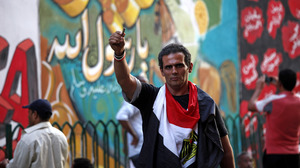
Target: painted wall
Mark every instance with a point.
(58, 50)
(70, 61)
(269, 36)
(20, 62)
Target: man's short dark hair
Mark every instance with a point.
(174, 48)
(82, 163)
(288, 79)
(42, 107)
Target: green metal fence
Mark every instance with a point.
(247, 136)
(255, 138)
(232, 124)
(108, 137)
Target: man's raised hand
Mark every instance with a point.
(117, 42)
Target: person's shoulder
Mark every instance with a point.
(203, 96)
(27, 139)
(57, 132)
(146, 97)
(60, 136)
(150, 86)
(31, 137)
(149, 89)
(275, 97)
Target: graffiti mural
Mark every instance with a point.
(70, 62)
(269, 41)
(19, 65)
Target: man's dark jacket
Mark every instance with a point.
(209, 152)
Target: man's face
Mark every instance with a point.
(30, 117)
(175, 70)
(246, 162)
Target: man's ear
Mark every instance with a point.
(162, 72)
(191, 68)
(35, 114)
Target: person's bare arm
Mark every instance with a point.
(124, 136)
(124, 78)
(259, 86)
(128, 127)
(228, 158)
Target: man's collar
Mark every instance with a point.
(37, 126)
(287, 92)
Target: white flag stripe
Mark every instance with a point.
(173, 135)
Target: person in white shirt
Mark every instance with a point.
(41, 145)
(131, 120)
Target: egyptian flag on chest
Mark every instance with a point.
(178, 126)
